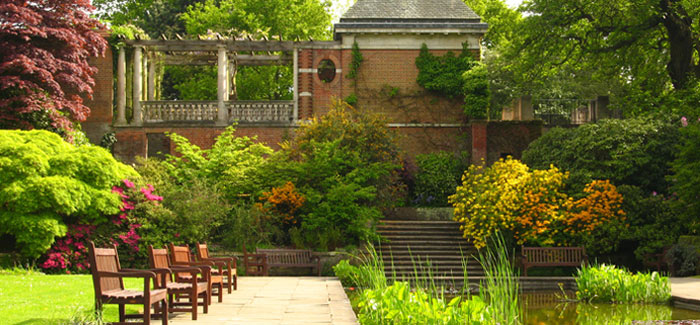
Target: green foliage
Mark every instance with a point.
(437, 177)
(632, 151)
(443, 74)
(477, 95)
(47, 183)
(355, 63)
(195, 207)
(189, 83)
(230, 164)
(683, 260)
(685, 179)
(345, 165)
(399, 304)
(655, 221)
(351, 99)
(607, 283)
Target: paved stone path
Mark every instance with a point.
(278, 300)
(685, 292)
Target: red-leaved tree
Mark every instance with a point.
(44, 48)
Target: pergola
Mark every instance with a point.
(227, 55)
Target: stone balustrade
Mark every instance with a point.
(183, 111)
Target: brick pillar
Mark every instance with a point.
(479, 142)
(305, 83)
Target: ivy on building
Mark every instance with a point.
(455, 76)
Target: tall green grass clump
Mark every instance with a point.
(500, 287)
(399, 303)
(607, 283)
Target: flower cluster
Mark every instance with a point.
(282, 201)
(530, 205)
(69, 254)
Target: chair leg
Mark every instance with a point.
(235, 282)
(147, 313)
(122, 311)
(230, 284)
(204, 302)
(194, 298)
(164, 321)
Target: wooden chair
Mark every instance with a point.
(108, 282)
(158, 258)
(181, 256)
(226, 266)
(255, 264)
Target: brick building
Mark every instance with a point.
(389, 35)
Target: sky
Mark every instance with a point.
(340, 6)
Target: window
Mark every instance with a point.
(326, 70)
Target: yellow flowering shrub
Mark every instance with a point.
(529, 205)
(282, 202)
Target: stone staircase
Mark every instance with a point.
(420, 250)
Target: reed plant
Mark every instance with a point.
(607, 283)
(426, 303)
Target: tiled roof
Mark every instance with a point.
(433, 10)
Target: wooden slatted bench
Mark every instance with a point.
(552, 256)
(290, 258)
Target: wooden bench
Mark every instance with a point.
(552, 256)
(289, 258)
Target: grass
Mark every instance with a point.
(607, 283)
(426, 303)
(28, 297)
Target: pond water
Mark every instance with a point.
(557, 308)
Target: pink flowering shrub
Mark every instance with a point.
(69, 254)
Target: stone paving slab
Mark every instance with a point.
(278, 300)
(685, 293)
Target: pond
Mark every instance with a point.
(558, 308)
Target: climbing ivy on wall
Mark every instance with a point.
(455, 76)
(355, 63)
(443, 74)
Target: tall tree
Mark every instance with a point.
(641, 37)
(155, 17)
(44, 51)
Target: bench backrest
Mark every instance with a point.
(104, 260)
(158, 259)
(179, 254)
(202, 251)
(286, 256)
(543, 255)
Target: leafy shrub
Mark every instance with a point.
(347, 273)
(685, 178)
(655, 221)
(683, 260)
(230, 164)
(346, 166)
(607, 283)
(437, 178)
(477, 95)
(282, 203)
(45, 184)
(530, 206)
(632, 151)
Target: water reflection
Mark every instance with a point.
(558, 308)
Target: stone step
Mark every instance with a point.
(427, 243)
(423, 257)
(413, 237)
(401, 232)
(414, 227)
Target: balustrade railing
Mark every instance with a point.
(160, 111)
(260, 111)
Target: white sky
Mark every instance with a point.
(340, 6)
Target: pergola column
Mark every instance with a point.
(152, 78)
(222, 65)
(138, 84)
(121, 87)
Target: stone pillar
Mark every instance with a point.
(151, 79)
(121, 87)
(526, 111)
(138, 83)
(295, 68)
(222, 65)
(479, 142)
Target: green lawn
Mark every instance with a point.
(34, 298)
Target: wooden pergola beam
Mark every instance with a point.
(241, 60)
(229, 45)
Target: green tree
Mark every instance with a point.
(46, 183)
(155, 17)
(269, 18)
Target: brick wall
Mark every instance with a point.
(132, 141)
(99, 120)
